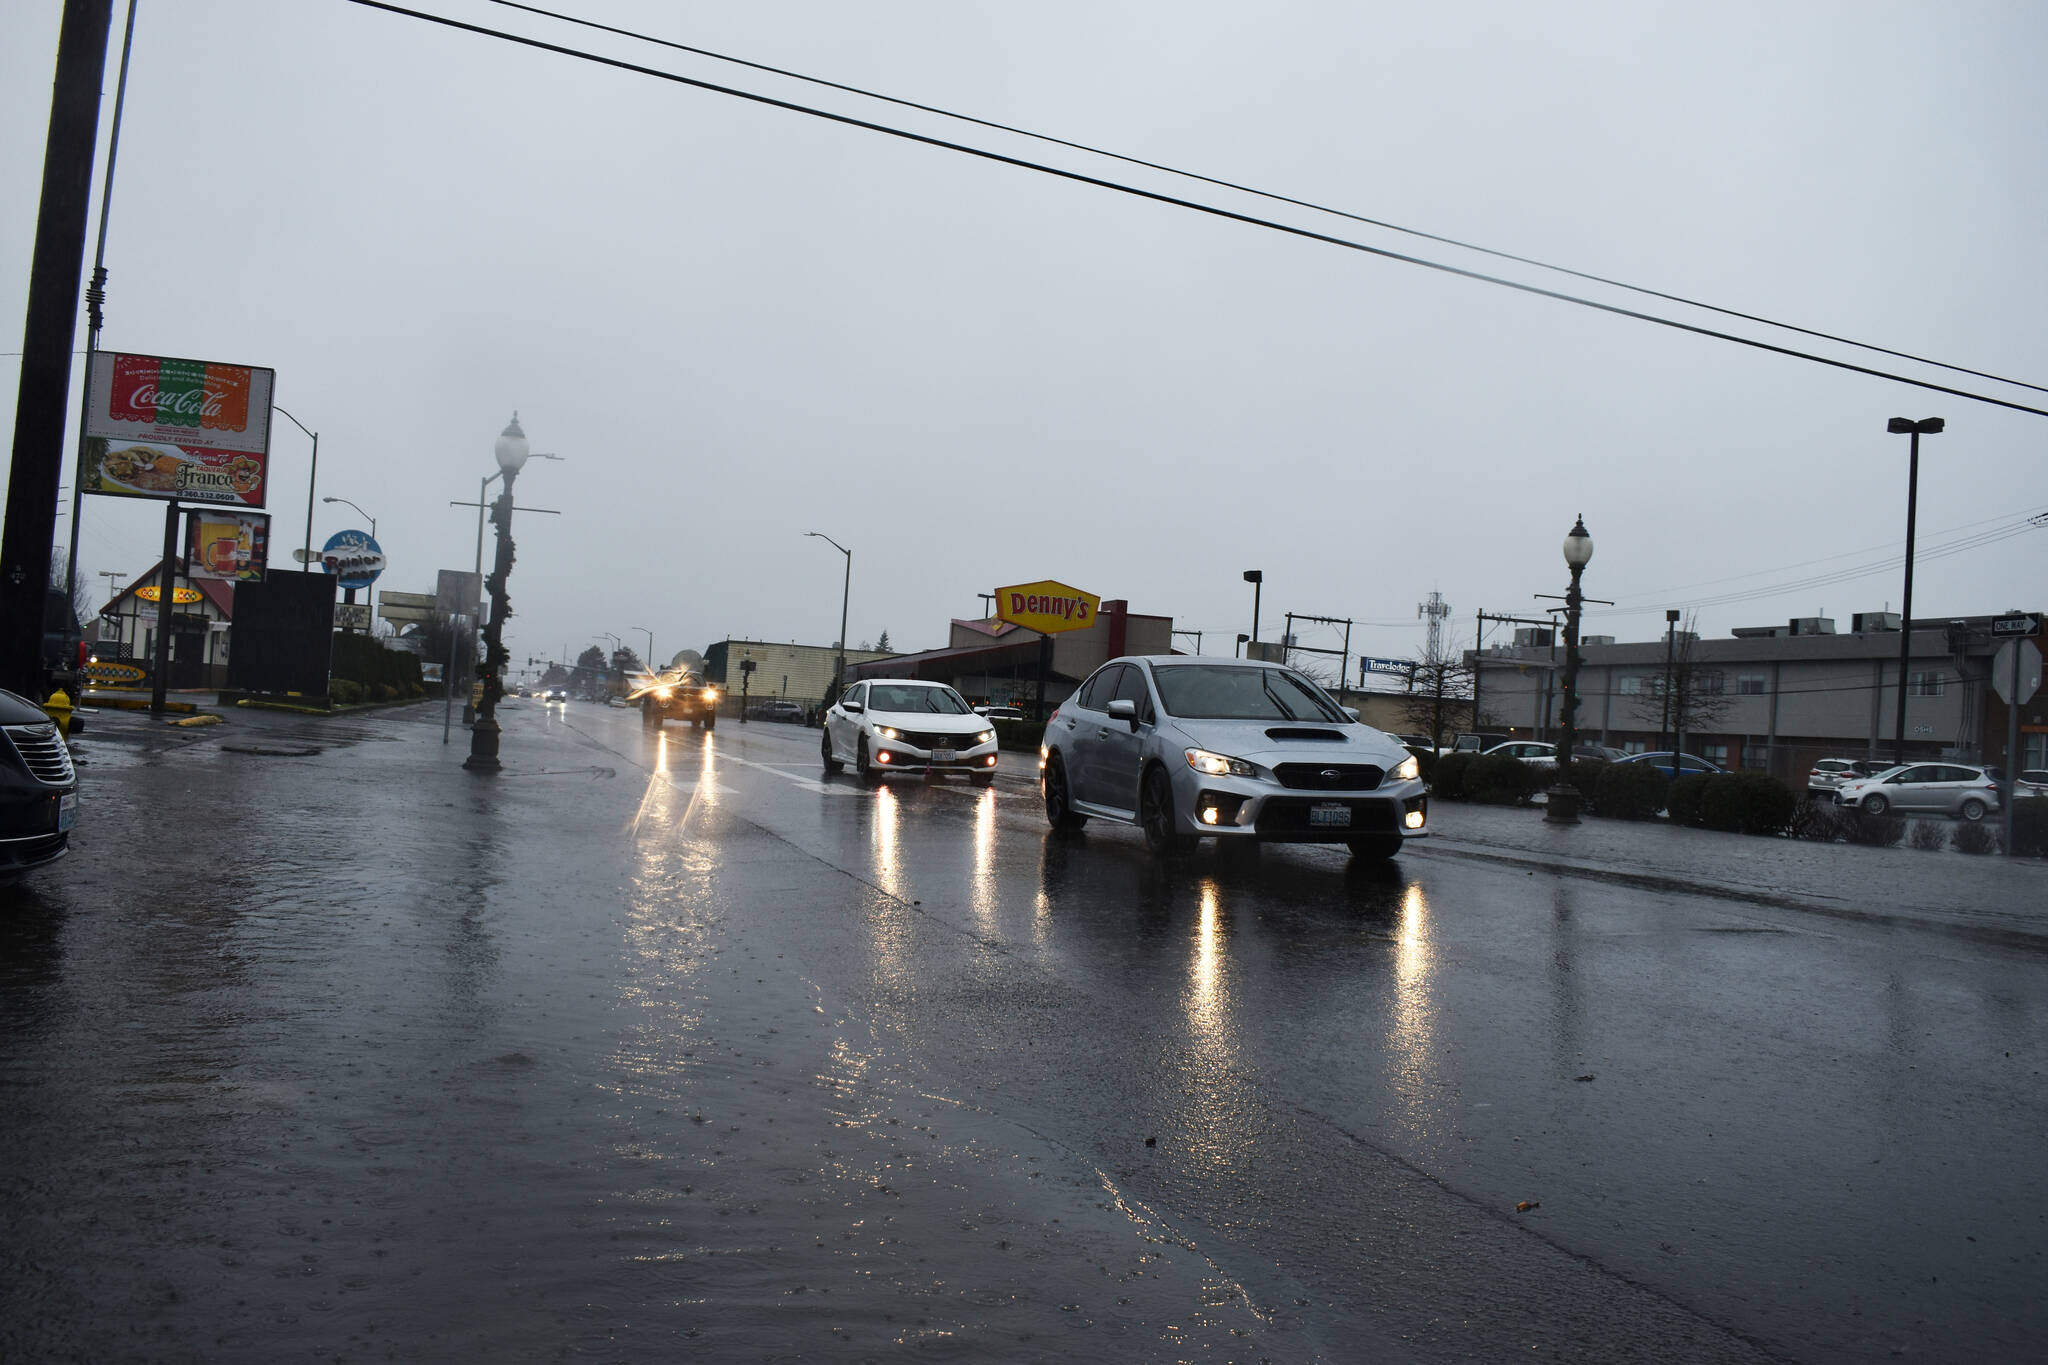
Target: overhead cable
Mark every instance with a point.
(1175, 201)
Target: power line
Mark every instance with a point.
(1277, 198)
(1175, 201)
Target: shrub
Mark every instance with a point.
(344, 692)
(1500, 780)
(362, 659)
(1979, 837)
(1746, 803)
(1449, 776)
(1427, 762)
(1584, 774)
(1930, 836)
(1630, 791)
(1877, 831)
(1821, 821)
(1685, 796)
(2030, 827)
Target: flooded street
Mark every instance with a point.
(318, 1046)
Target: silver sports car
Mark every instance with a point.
(1187, 747)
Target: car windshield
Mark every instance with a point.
(938, 701)
(1216, 692)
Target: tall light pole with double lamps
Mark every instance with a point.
(845, 595)
(1563, 799)
(1906, 426)
(511, 451)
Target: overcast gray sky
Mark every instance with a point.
(737, 324)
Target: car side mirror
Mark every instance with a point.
(1123, 708)
(981, 710)
(851, 708)
(1352, 712)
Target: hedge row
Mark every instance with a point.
(364, 660)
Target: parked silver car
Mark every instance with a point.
(1191, 747)
(903, 725)
(1924, 789)
(1828, 774)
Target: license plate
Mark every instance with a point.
(944, 755)
(67, 811)
(1329, 813)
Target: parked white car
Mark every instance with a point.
(1924, 789)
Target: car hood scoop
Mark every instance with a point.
(1297, 732)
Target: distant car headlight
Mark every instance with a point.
(886, 733)
(1219, 765)
(984, 736)
(1409, 770)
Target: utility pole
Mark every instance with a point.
(47, 337)
(1479, 650)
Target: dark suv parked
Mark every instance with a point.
(38, 788)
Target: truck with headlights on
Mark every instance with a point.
(677, 693)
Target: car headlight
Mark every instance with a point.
(1219, 765)
(886, 733)
(1409, 770)
(984, 737)
(664, 692)
(711, 694)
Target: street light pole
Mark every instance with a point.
(359, 512)
(1257, 578)
(649, 661)
(1562, 805)
(1906, 426)
(483, 736)
(312, 480)
(845, 595)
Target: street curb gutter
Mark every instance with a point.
(1976, 933)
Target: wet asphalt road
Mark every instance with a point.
(319, 1047)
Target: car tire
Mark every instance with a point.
(1876, 805)
(1973, 810)
(711, 721)
(1374, 847)
(868, 776)
(984, 779)
(1156, 816)
(1058, 813)
(650, 716)
(832, 765)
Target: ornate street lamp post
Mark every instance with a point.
(512, 451)
(1563, 798)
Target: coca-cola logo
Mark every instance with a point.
(189, 403)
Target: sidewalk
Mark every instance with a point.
(1988, 898)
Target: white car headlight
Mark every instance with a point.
(984, 736)
(1219, 765)
(886, 733)
(1409, 770)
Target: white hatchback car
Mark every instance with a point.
(902, 725)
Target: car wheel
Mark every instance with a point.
(832, 765)
(711, 721)
(1155, 816)
(1374, 847)
(1876, 805)
(650, 716)
(1058, 813)
(984, 779)
(868, 776)
(1973, 809)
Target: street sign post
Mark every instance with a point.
(2016, 674)
(2018, 623)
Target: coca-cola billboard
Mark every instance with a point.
(160, 427)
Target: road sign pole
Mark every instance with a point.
(2010, 797)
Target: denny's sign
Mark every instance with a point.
(1047, 607)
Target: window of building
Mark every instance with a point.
(1714, 752)
(1634, 746)
(1756, 754)
(1930, 684)
(1631, 685)
(1749, 685)
(1712, 684)
(2035, 750)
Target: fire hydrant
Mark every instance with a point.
(58, 709)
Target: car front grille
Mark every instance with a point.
(1285, 817)
(42, 752)
(1336, 777)
(926, 740)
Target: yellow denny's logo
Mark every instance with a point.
(1047, 607)
(113, 673)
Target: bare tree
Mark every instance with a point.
(1691, 698)
(1440, 689)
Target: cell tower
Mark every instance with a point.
(1434, 610)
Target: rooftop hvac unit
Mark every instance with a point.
(1812, 625)
(1596, 639)
(1866, 622)
(1534, 636)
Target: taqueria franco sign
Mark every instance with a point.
(1047, 606)
(163, 428)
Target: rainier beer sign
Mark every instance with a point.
(1047, 607)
